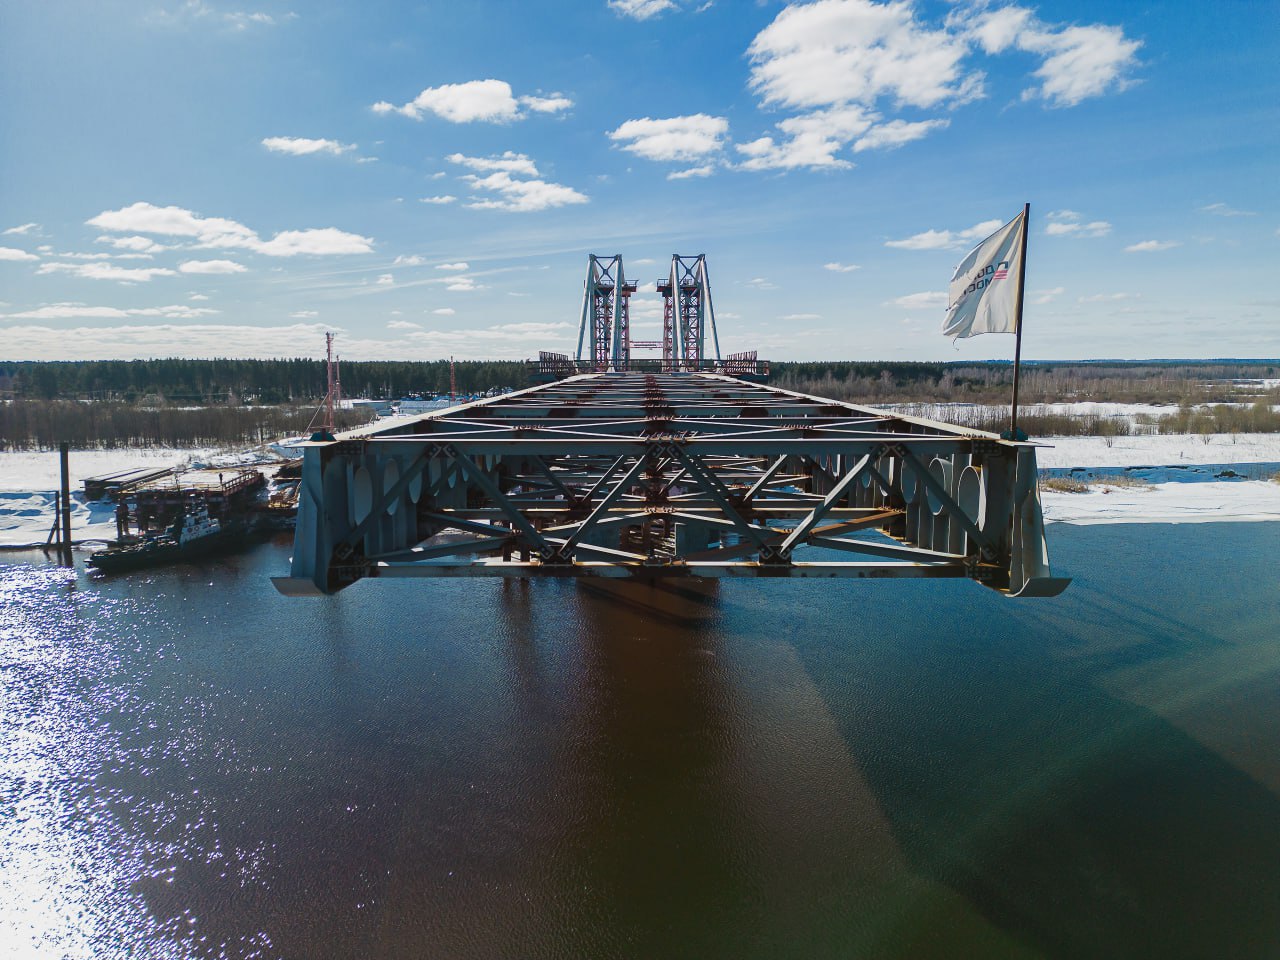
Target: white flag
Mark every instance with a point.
(984, 291)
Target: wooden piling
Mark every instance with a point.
(64, 541)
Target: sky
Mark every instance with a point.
(232, 178)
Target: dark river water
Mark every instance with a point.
(194, 766)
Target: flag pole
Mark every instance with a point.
(1017, 320)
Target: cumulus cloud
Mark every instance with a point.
(97, 270)
(455, 267)
(463, 285)
(1077, 61)
(640, 9)
(684, 139)
(304, 314)
(444, 312)
(211, 266)
(133, 244)
(1151, 246)
(386, 280)
(841, 267)
(403, 325)
(13, 253)
(220, 233)
(507, 188)
(920, 301)
(703, 171)
(842, 65)
(507, 162)
(77, 311)
(1041, 297)
(1068, 223)
(947, 239)
(23, 228)
(302, 146)
(408, 260)
(896, 133)
(856, 51)
(439, 200)
(489, 101)
(811, 140)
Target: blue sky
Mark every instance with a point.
(234, 177)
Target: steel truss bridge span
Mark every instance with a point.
(668, 475)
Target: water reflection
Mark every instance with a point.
(191, 765)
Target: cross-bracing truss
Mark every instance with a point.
(668, 475)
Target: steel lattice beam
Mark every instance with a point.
(669, 475)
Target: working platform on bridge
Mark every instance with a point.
(668, 475)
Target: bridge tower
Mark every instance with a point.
(603, 335)
(688, 317)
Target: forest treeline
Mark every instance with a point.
(110, 424)
(235, 382)
(1116, 382)
(177, 381)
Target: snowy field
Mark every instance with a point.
(1177, 487)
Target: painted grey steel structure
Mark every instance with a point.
(668, 475)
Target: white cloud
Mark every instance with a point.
(211, 266)
(920, 301)
(1041, 297)
(855, 51)
(508, 162)
(304, 314)
(438, 200)
(947, 239)
(641, 9)
(1151, 246)
(301, 146)
(444, 312)
(386, 280)
(703, 171)
(463, 285)
(455, 267)
(841, 267)
(812, 140)
(75, 311)
(403, 325)
(106, 271)
(21, 229)
(88, 256)
(1217, 209)
(794, 317)
(13, 253)
(509, 193)
(552, 104)
(197, 296)
(896, 133)
(410, 260)
(1068, 223)
(760, 283)
(489, 101)
(133, 244)
(683, 139)
(219, 233)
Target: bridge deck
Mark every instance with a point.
(700, 475)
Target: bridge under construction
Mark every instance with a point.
(666, 468)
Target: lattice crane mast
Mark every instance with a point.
(604, 332)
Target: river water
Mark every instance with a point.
(194, 766)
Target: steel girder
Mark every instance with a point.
(668, 475)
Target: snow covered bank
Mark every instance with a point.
(1210, 502)
(1165, 450)
(29, 483)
